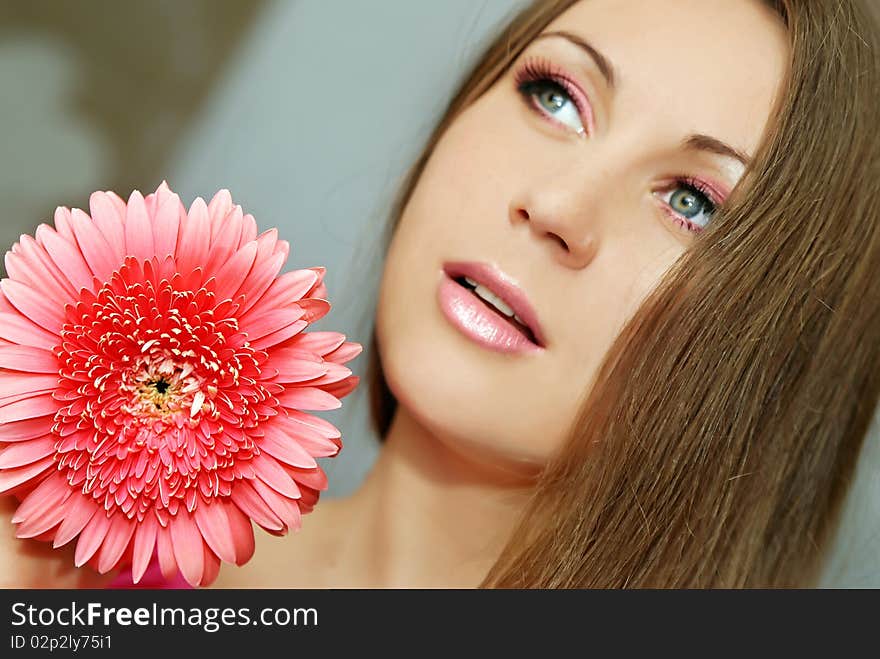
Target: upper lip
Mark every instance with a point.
(493, 278)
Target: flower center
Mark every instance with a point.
(161, 388)
(165, 392)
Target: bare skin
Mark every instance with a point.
(354, 543)
(34, 564)
(577, 211)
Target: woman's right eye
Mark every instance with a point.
(549, 97)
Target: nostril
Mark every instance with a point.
(562, 243)
(523, 213)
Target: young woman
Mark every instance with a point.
(670, 215)
(680, 200)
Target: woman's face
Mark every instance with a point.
(583, 191)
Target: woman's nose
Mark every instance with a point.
(572, 240)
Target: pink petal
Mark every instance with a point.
(110, 222)
(48, 494)
(320, 343)
(284, 447)
(248, 230)
(342, 388)
(225, 240)
(259, 280)
(315, 308)
(281, 335)
(45, 520)
(193, 238)
(118, 203)
(144, 542)
(118, 536)
(304, 432)
(344, 353)
(235, 270)
(138, 233)
(288, 288)
(165, 549)
(167, 269)
(23, 383)
(268, 241)
(242, 533)
(212, 567)
(167, 223)
(66, 256)
(271, 321)
(297, 370)
(28, 359)
(43, 508)
(7, 401)
(63, 225)
(29, 408)
(20, 431)
(335, 373)
(213, 522)
(297, 283)
(91, 538)
(283, 247)
(290, 351)
(44, 312)
(19, 329)
(318, 446)
(274, 476)
(297, 418)
(150, 204)
(288, 511)
(24, 453)
(187, 542)
(12, 478)
(37, 253)
(78, 511)
(250, 503)
(308, 500)
(218, 208)
(308, 398)
(29, 270)
(314, 478)
(319, 284)
(93, 245)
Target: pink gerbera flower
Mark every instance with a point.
(153, 376)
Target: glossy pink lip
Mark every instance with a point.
(504, 287)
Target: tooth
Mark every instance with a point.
(493, 299)
(471, 282)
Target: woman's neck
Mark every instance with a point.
(424, 517)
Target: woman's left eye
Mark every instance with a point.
(689, 206)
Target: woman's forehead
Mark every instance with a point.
(695, 66)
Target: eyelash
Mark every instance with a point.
(697, 187)
(540, 70)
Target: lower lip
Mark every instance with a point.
(475, 320)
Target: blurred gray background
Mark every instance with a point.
(308, 111)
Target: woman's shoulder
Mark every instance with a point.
(27, 563)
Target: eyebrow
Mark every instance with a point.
(694, 142)
(603, 63)
(701, 142)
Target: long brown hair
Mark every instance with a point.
(718, 439)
